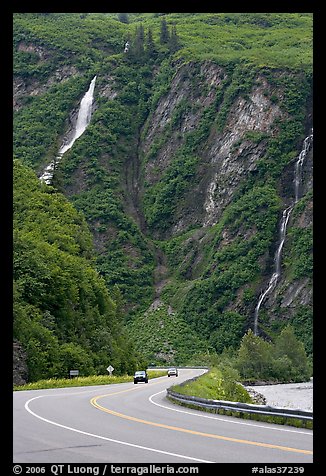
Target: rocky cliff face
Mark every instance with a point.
(232, 156)
(228, 158)
(20, 371)
(24, 86)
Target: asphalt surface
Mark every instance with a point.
(127, 423)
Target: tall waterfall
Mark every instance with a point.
(83, 119)
(283, 227)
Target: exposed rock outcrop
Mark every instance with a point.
(25, 87)
(228, 156)
(20, 372)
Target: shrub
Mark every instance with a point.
(284, 360)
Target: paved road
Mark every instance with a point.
(127, 423)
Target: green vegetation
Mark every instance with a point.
(217, 384)
(104, 154)
(85, 259)
(63, 314)
(279, 40)
(285, 360)
(273, 39)
(162, 202)
(298, 259)
(228, 268)
(42, 119)
(164, 337)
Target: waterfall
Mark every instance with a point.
(83, 119)
(298, 166)
(283, 227)
(277, 260)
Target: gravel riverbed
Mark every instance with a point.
(287, 395)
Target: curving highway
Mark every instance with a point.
(127, 423)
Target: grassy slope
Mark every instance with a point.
(165, 338)
(275, 40)
(271, 39)
(216, 385)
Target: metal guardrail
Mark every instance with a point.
(234, 406)
(240, 407)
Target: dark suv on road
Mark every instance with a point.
(141, 376)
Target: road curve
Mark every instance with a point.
(127, 423)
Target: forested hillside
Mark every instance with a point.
(162, 221)
(63, 314)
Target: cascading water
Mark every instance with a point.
(283, 227)
(298, 166)
(83, 119)
(277, 260)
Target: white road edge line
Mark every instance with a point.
(106, 438)
(224, 419)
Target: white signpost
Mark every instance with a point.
(110, 369)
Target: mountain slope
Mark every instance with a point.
(187, 164)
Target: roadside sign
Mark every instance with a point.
(110, 369)
(73, 373)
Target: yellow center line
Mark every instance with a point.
(94, 402)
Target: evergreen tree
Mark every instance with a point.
(285, 360)
(254, 356)
(173, 40)
(139, 42)
(123, 17)
(287, 345)
(150, 45)
(164, 32)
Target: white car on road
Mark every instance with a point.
(173, 371)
